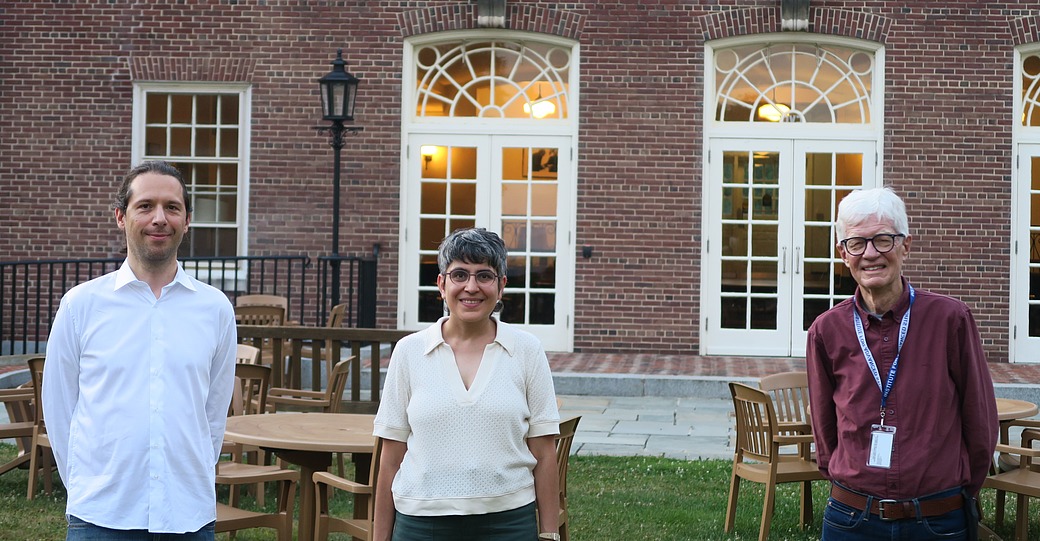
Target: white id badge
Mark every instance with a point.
(881, 439)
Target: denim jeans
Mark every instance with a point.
(519, 524)
(844, 523)
(84, 531)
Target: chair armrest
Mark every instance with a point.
(1024, 423)
(281, 393)
(1014, 450)
(336, 481)
(791, 439)
(799, 428)
(17, 394)
(254, 474)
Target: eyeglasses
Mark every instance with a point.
(460, 276)
(883, 243)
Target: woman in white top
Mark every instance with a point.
(468, 415)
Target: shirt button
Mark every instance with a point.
(885, 339)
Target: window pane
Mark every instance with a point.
(431, 307)
(543, 309)
(181, 113)
(229, 143)
(206, 142)
(228, 208)
(516, 271)
(206, 109)
(229, 109)
(514, 307)
(464, 198)
(514, 199)
(156, 109)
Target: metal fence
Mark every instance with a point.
(30, 291)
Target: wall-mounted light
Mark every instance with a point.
(541, 107)
(427, 152)
(773, 112)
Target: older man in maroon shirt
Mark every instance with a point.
(903, 410)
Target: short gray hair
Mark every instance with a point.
(474, 246)
(882, 203)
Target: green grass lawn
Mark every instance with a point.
(611, 498)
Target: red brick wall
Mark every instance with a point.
(65, 106)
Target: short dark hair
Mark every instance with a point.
(475, 246)
(153, 166)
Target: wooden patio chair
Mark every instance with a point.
(251, 383)
(757, 456)
(41, 458)
(563, 454)
(1023, 480)
(327, 401)
(358, 526)
(18, 403)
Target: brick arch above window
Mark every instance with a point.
(1025, 30)
(834, 22)
(216, 70)
(527, 18)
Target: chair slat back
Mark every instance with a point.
(251, 384)
(259, 315)
(36, 377)
(790, 392)
(338, 378)
(563, 452)
(337, 315)
(247, 354)
(755, 420)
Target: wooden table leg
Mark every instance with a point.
(309, 462)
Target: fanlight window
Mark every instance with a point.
(1031, 90)
(492, 79)
(793, 83)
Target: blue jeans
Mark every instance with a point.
(84, 531)
(844, 523)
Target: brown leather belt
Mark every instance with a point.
(897, 509)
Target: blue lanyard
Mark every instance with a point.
(903, 327)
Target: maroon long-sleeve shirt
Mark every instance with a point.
(941, 403)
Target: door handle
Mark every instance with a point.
(783, 260)
(797, 259)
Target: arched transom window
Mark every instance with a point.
(798, 82)
(492, 79)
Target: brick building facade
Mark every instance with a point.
(949, 127)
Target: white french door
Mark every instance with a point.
(518, 186)
(1025, 265)
(770, 261)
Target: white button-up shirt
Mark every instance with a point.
(135, 396)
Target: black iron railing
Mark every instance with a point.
(30, 291)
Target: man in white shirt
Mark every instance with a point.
(138, 378)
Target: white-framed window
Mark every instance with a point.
(489, 130)
(203, 129)
(1025, 208)
(796, 124)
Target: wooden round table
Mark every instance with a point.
(1009, 409)
(307, 440)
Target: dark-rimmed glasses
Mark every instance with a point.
(461, 276)
(883, 243)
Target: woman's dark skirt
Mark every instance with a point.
(515, 525)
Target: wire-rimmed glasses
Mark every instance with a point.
(461, 276)
(883, 243)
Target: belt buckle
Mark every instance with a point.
(881, 509)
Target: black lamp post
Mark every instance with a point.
(338, 92)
